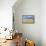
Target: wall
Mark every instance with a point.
(43, 22)
(30, 31)
(6, 13)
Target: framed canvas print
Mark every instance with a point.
(28, 19)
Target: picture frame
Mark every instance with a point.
(28, 19)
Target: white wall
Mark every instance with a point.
(31, 31)
(43, 22)
(29, 7)
(6, 13)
